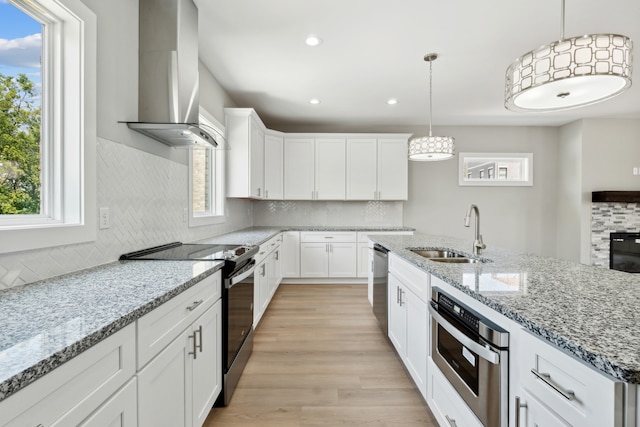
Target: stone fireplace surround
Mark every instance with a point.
(611, 211)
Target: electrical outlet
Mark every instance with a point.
(104, 218)
(635, 171)
(185, 215)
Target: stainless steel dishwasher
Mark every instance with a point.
(380, 284)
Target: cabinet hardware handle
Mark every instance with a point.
(258, 192)
(401, 292)
(266, 194)
(199, 331)
(264, 272)
(451, 421)
(195, 347)
(518, 406)
(194, 305)
(397, 295)
(277, 255)
(546, 378)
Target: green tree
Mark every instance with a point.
(19, 146)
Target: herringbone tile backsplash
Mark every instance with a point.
(146, 195)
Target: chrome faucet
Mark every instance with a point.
(478, 244)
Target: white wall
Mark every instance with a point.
(142, 182)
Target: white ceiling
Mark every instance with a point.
(373, 50)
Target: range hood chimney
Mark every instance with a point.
(168, 103)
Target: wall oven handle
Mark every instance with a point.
(481, 351)
(546, 378)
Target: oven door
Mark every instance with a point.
(239, 313)
(475, 369)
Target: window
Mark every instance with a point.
(513, 169)
(51, 205)
(206, 178)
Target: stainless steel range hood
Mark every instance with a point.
(168, 103)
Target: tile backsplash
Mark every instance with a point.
(146, 196)
(331, 213)
(607, 218)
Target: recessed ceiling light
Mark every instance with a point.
(392, 101)
(314, 101)
(313, 40)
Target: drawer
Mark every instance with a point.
(578, 393)
(163, 324)
(445, 403)
(267, 247)
(363, 236)
(411, 276)
(70, 393)
(324, 237)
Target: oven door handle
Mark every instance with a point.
(481, 351)
(239, 278)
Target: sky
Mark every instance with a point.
(20, 43)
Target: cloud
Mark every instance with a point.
(21, 52)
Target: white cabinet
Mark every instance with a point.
(314, 168)
(267, 276)
(408, 317)
(290, 251)
(71, 392)
(299, 168)
(446, 405)
(328, 254)
(179, 386)
(377, 168)
(120, 410)
(273, 167)
(560, 390)
(330, 169)
(245, 159)
(180, 357)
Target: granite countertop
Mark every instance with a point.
(44, 324)
(590, 312)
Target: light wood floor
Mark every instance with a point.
(319, 359)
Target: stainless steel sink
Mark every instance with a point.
(436, 253)
(443, 255)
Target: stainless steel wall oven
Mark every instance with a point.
(473, 354)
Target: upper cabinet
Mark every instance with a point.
(377, 168)
(245, 158)
(267, 164)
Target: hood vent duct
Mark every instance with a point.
(168, 102)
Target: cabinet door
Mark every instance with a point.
(119, 411)
(417, 339)
(397, 316)
(314, 260)
(260, 291)
(342, 259)
(257, 161)
(275, 272)
(206, 366)
(299, 168)
(364, 264)
(290, 251)
(330, 168)
(393, 170)
(533, 413)
(361, 169)
(273, 167)
(163, 385)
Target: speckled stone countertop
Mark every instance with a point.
(590, 312)
(259, 235)
(44, 324)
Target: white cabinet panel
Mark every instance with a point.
(314, 260)
(533, 413)
(342, 259)
(256, 160)
(273, 167)
(330, 169)
(362, 178)
(364, 263)
(119, 411)
(299, 169)
(290, 251)
(393, 169)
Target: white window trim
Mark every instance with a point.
(71, 126)
(200, 220)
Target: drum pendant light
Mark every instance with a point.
(569, 73)
(431, 148)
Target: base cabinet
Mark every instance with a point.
(290, 254)
(530, 412)
(119, 411)
(179, 386)
(267, 277)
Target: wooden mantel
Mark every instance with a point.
(616, 196)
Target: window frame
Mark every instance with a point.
(68, 148)
(217, 215)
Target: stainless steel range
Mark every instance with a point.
(237, 299)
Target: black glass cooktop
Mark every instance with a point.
(189, 251)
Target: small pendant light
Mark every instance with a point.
(431, 148)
